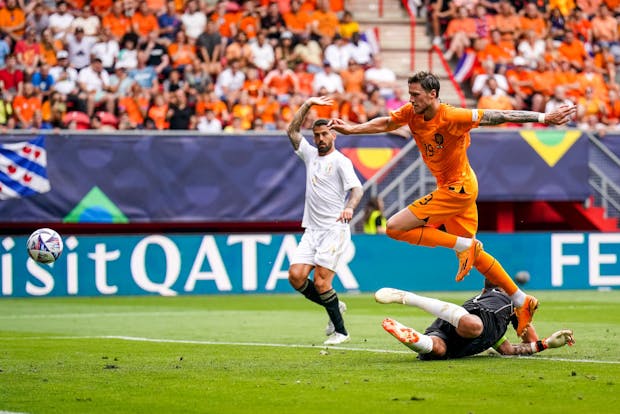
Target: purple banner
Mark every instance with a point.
(250, 178)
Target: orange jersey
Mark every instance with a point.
(10, 19)
(443, 140)
(118, 25)
(144, 24)
(158, 115)
(26, 107)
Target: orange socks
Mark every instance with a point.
(424, 236)
(493, 270)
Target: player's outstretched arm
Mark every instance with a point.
(374, 126)
(556, 340)
(560, 116)
(294, 128)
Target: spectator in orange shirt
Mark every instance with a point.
(460, 33)
(520, 79)
(156, 6)
(573, 50)
(26, 105)
(507, 21)
(352, 110)
(589, 7)
(181, 52)
(499, 51)
(590, 78)
(325, 111)
(353, 78)
(210, 101)
(244, 110)
(135, 105)
(604, 26)
(567, 76)
(157, 112)
(268, 111)
(297, 21)
(590, 109)
(323, 22)
(144, 21)
(253, 84)
(308, 5)
(249, 22)
(612, 112)
(282, 81)
(580, 25)
(543, 83)
(226, 21)
(305, 80)
(604, 62)
(101, 7)
(12, 20)
(54, 109)
(116, 21)
(533, 19)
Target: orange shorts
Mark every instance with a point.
(453, 206)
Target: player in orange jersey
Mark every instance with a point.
(442, 134)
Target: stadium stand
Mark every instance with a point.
(132, 63)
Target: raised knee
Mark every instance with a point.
(470, 326)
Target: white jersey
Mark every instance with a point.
(328, 179)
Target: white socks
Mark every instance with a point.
(462, 244)
(518, 298)
(449, 312)
(424, 344)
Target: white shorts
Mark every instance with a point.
(322, 247)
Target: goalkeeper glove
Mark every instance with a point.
(560, 338)
(556, 340)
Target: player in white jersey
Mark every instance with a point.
(327, 211)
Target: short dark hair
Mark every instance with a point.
(427, 80)
(320, 122)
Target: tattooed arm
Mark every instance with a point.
(556, 340)
(294, 129)
(560, 116)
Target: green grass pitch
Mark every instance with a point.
(263, 354)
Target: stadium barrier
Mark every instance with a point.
(168, 265)
(182, 178)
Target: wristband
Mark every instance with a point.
(541, 118)
(540, 346)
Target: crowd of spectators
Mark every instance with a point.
(537, 55)
(184, 64)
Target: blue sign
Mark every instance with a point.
(171, 264)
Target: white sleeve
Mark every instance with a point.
(349, 178)
(305, 150)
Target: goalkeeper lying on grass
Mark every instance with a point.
(461, 331)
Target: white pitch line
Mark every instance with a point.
(274, 345)
(99, 315)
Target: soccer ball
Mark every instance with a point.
(44, 245)
(522, 277)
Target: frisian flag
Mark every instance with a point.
(23, 169)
